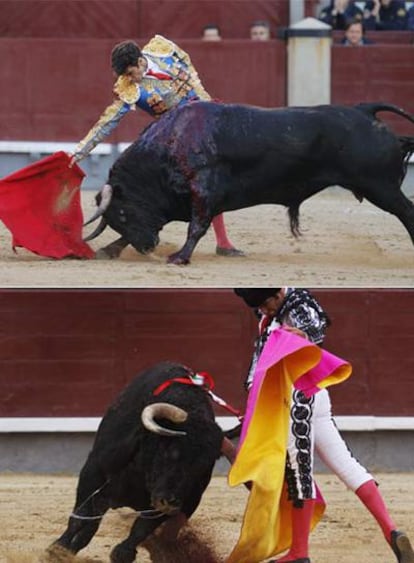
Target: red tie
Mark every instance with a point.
(264, 323)
(159, 75)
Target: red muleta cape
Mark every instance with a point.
(40, 205)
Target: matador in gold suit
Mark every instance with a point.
(155, 79)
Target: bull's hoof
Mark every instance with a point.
(106, 254)
(229, 252)
(55, 553)
(122, 553)
(177, 259)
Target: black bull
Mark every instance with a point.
(206, 158)
(154, 454)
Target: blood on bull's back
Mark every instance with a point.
(206, 158)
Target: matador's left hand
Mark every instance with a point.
(295, 330)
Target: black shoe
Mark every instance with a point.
(400, 544)
(301, 560)
(221, 251)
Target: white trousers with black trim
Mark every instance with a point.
(312, 428)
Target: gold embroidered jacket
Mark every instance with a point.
(175, 83)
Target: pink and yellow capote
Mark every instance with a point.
(287, 361)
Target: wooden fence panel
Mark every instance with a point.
(68, 353)
(375, 73)
(54, 90)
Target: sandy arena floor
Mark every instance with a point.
(34, 510)
(344, 243)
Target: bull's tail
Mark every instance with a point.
(406, 143)
(407, 149)
(293, 211)
(373, 108)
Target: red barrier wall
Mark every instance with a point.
(375, 73)
(54, 90)
(137, 18)
(232, 16)
(68, 353)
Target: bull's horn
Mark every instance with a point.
(163, 410)
(99, 229)
(106, 196)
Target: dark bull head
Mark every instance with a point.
(181, 463)
(177, 460)
(125, 218)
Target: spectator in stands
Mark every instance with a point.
(260, 31)
(211, 32)
(355, 34)
(156, 79)
(385, 15)
(339, 12)
(410, 18)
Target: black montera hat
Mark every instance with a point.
(254, 297)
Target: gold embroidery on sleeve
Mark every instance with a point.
(97, 133)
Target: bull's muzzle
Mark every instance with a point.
(166, 506)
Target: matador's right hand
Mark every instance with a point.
(76, 157)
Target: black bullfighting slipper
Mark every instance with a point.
(221, 251)
(301, 560)
(400, 544)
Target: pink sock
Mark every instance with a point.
(301, 522)
(369, 494)
(222, 239)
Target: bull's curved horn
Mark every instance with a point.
(106, 196)
(163, 410)
(99, 229)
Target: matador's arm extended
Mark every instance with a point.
(102, 128)
(127, 94)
